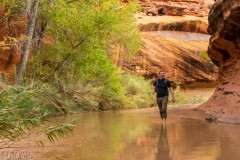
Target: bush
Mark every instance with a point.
(137, 91)
(180, 98)
(24, 107)
(183, 98)
(114, 92)
(33, 99)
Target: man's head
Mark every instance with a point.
(161, 74)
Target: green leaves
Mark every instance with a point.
(56, 132)
(137, 91)
(23, 108)
(101, 24)
(83, 36)
(12, 6)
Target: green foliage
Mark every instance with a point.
(204, 56)
(82, 35)
(126, 91)
(137, 91)
(180, 98)
(56, 132)
(80, 28)
(28, 99)
(183, 98)
(25, 107)
(12, 6)
(99, 23)
(94, 84)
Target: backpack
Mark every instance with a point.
(165, 81)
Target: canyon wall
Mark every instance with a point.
(198, 8)
(224, 51)
(11, 29)
(179, 57)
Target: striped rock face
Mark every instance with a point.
(224, 51)
(174, 44)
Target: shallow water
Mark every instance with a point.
(181, 35)
(131, 136)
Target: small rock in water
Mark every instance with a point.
(210, 118)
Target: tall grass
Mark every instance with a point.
(25, 107)
(182, 98)
(133, 92)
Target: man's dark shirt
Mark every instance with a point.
(161, 86)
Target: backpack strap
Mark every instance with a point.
(165, 81)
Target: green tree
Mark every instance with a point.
(81, 36)
(77, 27)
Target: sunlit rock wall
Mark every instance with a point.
(224, 50)
(178, 57)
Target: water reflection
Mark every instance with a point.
(163, 151)
(113, 136)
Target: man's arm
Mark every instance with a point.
(172, 94)
(153, 91)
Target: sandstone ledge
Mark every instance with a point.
(170, 23)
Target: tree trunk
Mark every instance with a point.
(39, 33)
(27, 42)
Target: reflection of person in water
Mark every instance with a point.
(162, 146)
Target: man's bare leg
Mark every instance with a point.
(164, 122)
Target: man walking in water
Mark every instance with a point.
(161, 86)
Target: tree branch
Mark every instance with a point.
(65, 33)
(60, 64)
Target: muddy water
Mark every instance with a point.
(131, 136)
(181, 35)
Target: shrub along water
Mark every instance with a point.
(120, 91)
(25, 107)
(182, 98)
(137, 91)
